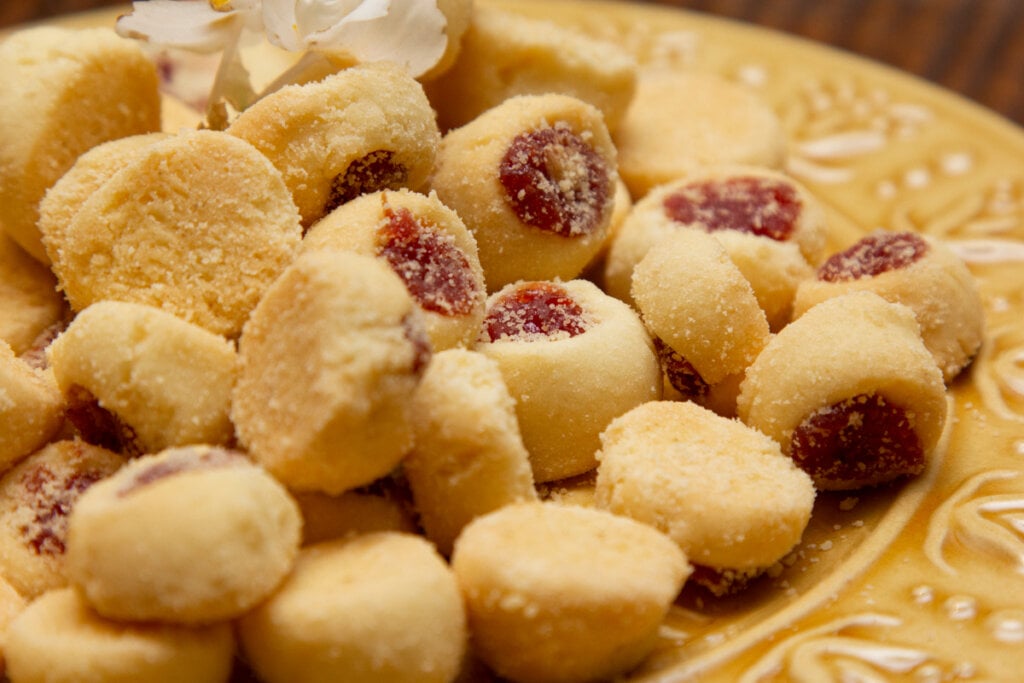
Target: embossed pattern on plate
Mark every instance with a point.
(918, 582)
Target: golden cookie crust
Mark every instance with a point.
(328, 364)
(559, 593)
(62, 92)
(199, 224)
(467, 178)
(29, 300)
(192, 535)
(31, 409)
(452, 314)
(370, 122)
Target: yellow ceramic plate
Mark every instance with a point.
(924, 581)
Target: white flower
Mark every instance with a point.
(407, 32)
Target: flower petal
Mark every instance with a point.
(411, 34)
(189, 24)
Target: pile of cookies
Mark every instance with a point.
(291, 398)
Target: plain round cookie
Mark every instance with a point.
(29, 300)
(505, 54)
(366, 128)
(701, 311)
(328, 364)
(534, 180)
(377, 607)
(199, 224)
(573, 359)
(919, 272)
(469, 457)
(62, 92)
(36, 498)
(59, 639)
(721, 490)
(189, 536)
(426, 244)
(159, 380)
(31, 409)
(93, 168)
(326, 518)
(753, 209)
(849, 391)
(682, 120)
(559, 593)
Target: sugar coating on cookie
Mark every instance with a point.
(849, 391)
(427, 245)
(505, 54)
(29, 300)
(469, 457)
(573, 358)
(534, 180)
(36, 498)
(328, 364)
(138, 379)
(62, 92)
(918, 272)
(564, 593)
(725, 200)
(31, 407)
(701, 311)
(364, 129)
(189, 535)
(89, 172)
(380, 606)
(199, 224)
(682, 120)
(59, 639)
(721, 490)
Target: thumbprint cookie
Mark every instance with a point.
(31, 410)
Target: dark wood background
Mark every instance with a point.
(974, 47)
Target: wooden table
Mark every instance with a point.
(974, 47)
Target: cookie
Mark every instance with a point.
(534, 180)
(367, 128)
(757, 212)
(427, 245)
(328, 364)
(850, 392)
(916, 271)
(138, 379)
(188, 536)
(573, 359)
(59, 639)
(36, 497)
(468, 457)
(62, 92)
(32, 409)
(11, 604)
(29, 300)
(679, 121)
(701, 312)
(377, 607)
(326, 518)
(564, 593)
(199, 224)
(721, 490)
(504, 54)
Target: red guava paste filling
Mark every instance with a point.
(185, 460)
(375, 171)
(760, 206)
(680, 372)
(874, 255)
(50, 499)
(435, 271)
(556, 182)
(862, 439)
(97, 425)
(534, 309)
